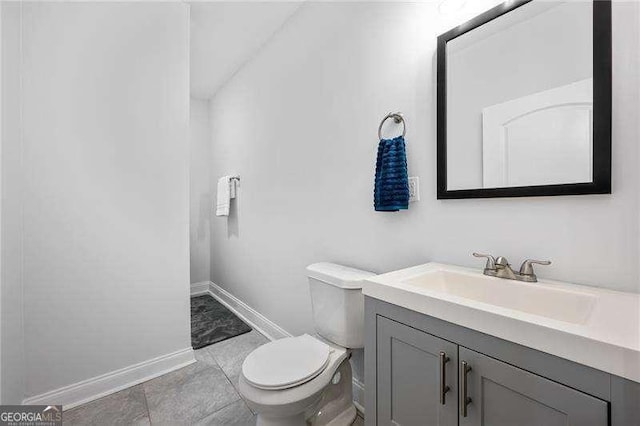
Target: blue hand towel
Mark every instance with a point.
(391, 192)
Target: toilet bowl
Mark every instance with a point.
(289, 399)
(307, 380)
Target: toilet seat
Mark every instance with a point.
(286, 363)
(297, 398)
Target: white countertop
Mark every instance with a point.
(608, 339)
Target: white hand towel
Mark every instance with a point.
(224, 196)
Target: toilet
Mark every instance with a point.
(306, 380)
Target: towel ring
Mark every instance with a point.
(398, 118)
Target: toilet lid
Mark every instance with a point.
(286, 363)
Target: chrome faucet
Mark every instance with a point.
(501, 268)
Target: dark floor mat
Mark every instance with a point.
(212, 322)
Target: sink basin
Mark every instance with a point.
(593, 326)
(533, 298)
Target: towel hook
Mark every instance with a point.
(398, 118)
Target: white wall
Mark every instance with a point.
(12, 345)
(225, 34)
(105, 148)
(299, 124)
(200, 190)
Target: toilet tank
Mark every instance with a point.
(338, 303)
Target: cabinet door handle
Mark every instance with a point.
(464, 398)
(443, 377)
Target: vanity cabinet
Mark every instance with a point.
(409, 395)
(503, 395)
(423, 368)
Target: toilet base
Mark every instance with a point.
(297, 420)
(345, 418)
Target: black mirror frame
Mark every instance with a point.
(602, 61)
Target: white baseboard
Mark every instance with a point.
(262, 324)
(106, 384)
(249, 315)
(91, 389)
(200, 288)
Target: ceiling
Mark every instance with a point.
(225, 35)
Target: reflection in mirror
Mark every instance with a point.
(519, 99)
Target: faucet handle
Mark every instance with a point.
(527, 266)
(491, 261)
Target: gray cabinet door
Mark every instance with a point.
(412, 374)
(504, 395)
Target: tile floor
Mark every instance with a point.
(203, 393)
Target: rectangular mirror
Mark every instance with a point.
(524, 101)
